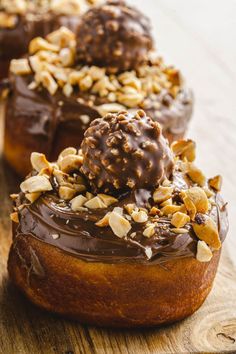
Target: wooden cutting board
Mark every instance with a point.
(26, 329)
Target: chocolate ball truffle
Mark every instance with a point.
(125, 151)
(114, 35)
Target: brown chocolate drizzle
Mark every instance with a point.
(76, 233)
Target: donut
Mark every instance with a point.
(133, 256)
(22, 20)
(55, 93)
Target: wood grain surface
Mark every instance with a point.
(200, 38)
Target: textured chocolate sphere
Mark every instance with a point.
(114, 35)
(125, 151)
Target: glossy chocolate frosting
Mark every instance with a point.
(51, 221)
(45, 123)
(14, 41)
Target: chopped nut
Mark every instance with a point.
(162, 193)
(66, 56)
(184, 149)
(118, 210)
(32, 197)
(196, 174)
(78, 202)
(104, 221)
(39, 161)
(66, 152)
(36, 184)
(66, 193)
(208, 192)
(14, 196)
(179, 219)
(154, 211)
(39, 43)
(216, 183)
(20, 67)
(130, 208)
(107, 199)
(95, 203)
(204, 253)
(7, 20)
(206, 230)
(139, 216)
(89, 195)
(189, 205)
(61, 37)
(199, 199)
(14, 217)
(67, 7)
(166, 202)
(149, 231)
(130, 99)
(119, 225)
(171, 209)
(148, 252)
(48, 82)
(179, 230)
(70, 163)
(109, 108)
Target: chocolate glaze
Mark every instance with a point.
(40, 122)
(79, 236)
(14, 41)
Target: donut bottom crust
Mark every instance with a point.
(105, 294)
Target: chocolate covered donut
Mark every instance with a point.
(114, 35)
(141, 256)
(22, 20)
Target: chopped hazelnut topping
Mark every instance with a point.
(162, 193)
(196, 174)
(66, 193)
(20, 67)
(14, 217)
(95, 203)
(149, 231)
(7, 20)
(107, 199)
(204, 253)
(179, 219)
(130, 207)
(119, 225)
(216, 182)
(39, 161)
(32, 197)
(171, 209)
(70, 163)
(36, 184)
(139, 216)
(206, 230)
(78, 202)
(199, 199)
(179, 230)
(104, 221)
(184, 149)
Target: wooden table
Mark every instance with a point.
(199, 37)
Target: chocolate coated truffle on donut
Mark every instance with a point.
(125, 150)
(114, 35)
